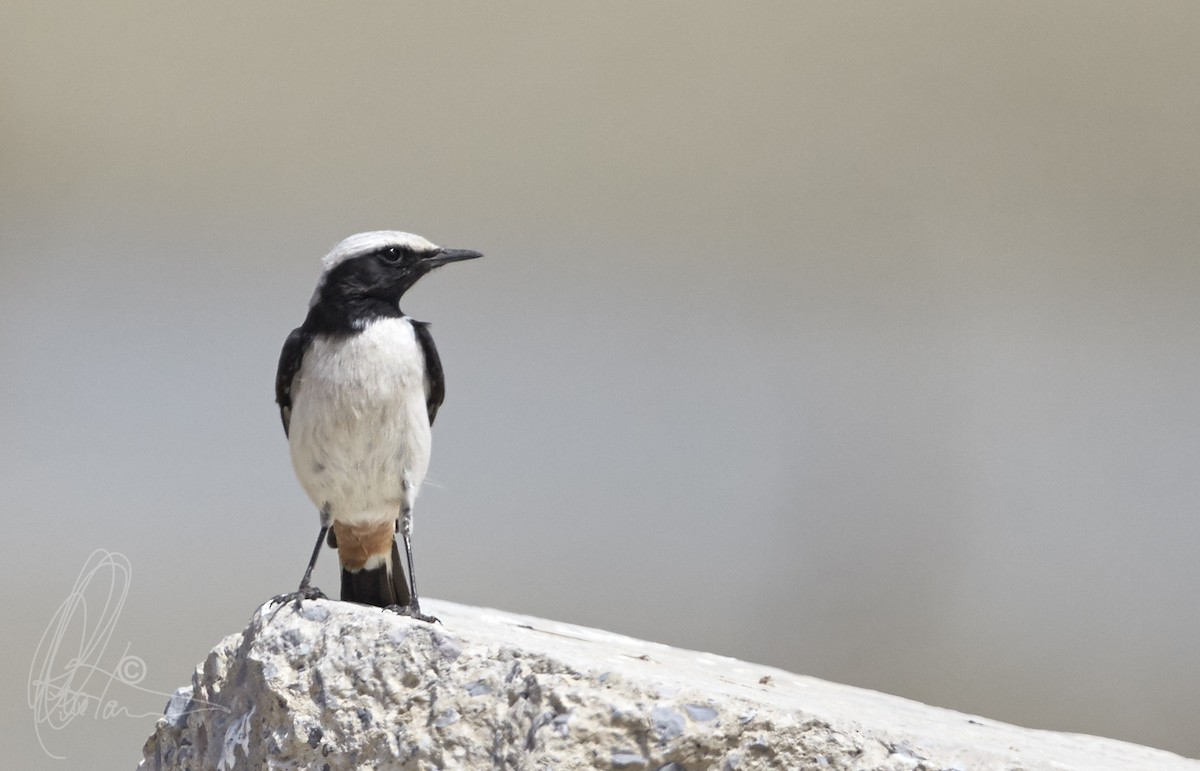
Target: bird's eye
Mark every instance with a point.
(391, 253)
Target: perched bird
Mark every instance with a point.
(358, 387)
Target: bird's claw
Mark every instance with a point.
(300, 595)
(413, 611)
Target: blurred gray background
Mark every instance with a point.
(856, 339)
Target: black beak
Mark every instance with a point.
(443, 256)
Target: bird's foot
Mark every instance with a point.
(413, 611)
(300, 595)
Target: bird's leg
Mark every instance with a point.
(307, 592)
(413, 609)
(312, 563)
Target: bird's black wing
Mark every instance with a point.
(289, 364)
(435, 380)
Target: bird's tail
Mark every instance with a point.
(372, 573)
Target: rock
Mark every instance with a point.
(339, 686)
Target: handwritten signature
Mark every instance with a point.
(66, 679)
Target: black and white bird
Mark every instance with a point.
(358, 387)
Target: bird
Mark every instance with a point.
(359, 385)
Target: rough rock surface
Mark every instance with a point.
(339, 686)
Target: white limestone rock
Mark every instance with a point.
(340, 686)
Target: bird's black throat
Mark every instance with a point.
(348, 314)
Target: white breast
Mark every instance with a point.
(359, 431)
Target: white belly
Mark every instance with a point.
(359, 432)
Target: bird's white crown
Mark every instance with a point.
(365, 243)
